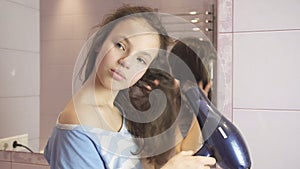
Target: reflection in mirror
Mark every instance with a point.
(36, 69)
(188, 28)
(203, 20)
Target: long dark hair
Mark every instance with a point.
(140, 99)
(193, 52)
(103, 30)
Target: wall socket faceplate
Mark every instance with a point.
(7, 142)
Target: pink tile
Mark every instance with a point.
(5, 156)
(94, 6)
(56, 7)
(225, 15)
(48, 122)
(83, 25)
(76, 48)
(78, 7)
(5, 165)
(29, 158)
(54, 95)
(224, 86)
(179, 6)
(57, 52)
(57, 27)
(28, 166)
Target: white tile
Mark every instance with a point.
(272, 137)
(30, 3)
(34, 144)
(43, 143)
(20, 72)
(19, 115)
(266, 70)
(266, 15)
(19, 27)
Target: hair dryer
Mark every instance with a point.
(222, 139)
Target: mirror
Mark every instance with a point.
(36, 81)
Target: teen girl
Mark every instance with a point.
(91, 131)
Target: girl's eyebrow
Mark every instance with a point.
(145, 54)
(120, 38)
(127, 41)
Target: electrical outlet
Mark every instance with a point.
(7, 143)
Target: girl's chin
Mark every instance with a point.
(115, 86)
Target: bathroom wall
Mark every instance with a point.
(20, 69)
(260, 51)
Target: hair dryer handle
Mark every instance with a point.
(204, 151)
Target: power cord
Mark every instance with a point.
(16, 144)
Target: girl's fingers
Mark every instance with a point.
(207, 161)
(144, 84)
(186, 153)
(208, 86)
(201, 84)
(201, 159)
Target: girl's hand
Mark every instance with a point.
(185, 159)
(206, 88)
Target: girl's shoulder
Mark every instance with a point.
(68, 115)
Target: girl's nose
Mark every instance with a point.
(124, 63)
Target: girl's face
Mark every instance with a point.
(126, 54)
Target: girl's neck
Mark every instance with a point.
(97, 106)
(103, 96)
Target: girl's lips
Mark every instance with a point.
(117, 75)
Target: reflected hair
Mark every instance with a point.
(193, 52)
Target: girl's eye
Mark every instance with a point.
(120, 46)
(141, 60)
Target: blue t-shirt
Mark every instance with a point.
(77, 146)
